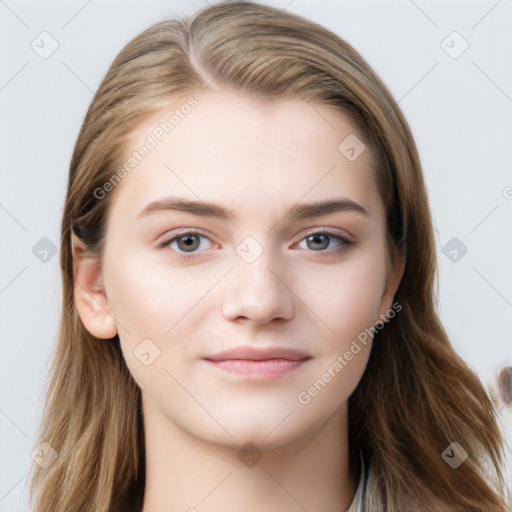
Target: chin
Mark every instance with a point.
(266, 432)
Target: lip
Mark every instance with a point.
(259, 362)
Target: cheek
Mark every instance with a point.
(347, 296)
(149, 298)
(153, 303)
(166, 304)
(348, 304)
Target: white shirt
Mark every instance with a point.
(357, 502)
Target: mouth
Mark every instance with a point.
(259, 362)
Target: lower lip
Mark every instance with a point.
(263, 368)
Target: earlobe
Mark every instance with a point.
(89, 293)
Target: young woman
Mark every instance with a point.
(248, 268)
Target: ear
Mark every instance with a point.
(395, 272)
(89, 293)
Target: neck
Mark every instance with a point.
(189, 474)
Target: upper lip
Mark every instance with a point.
(259, 354)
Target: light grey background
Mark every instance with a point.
(459, 109)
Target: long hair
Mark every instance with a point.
(416, 396)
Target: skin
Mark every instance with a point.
(257, 159)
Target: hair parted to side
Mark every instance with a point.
(416, 395)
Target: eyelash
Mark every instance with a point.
(345, 242)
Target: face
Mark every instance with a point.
(245, 321)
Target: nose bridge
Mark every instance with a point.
(257, 289)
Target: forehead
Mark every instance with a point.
(252, 154)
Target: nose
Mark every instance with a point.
(258, 292)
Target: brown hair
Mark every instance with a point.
(416, 395)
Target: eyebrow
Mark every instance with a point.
(298, 211)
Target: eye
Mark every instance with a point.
(318, 241)
(185, 242)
